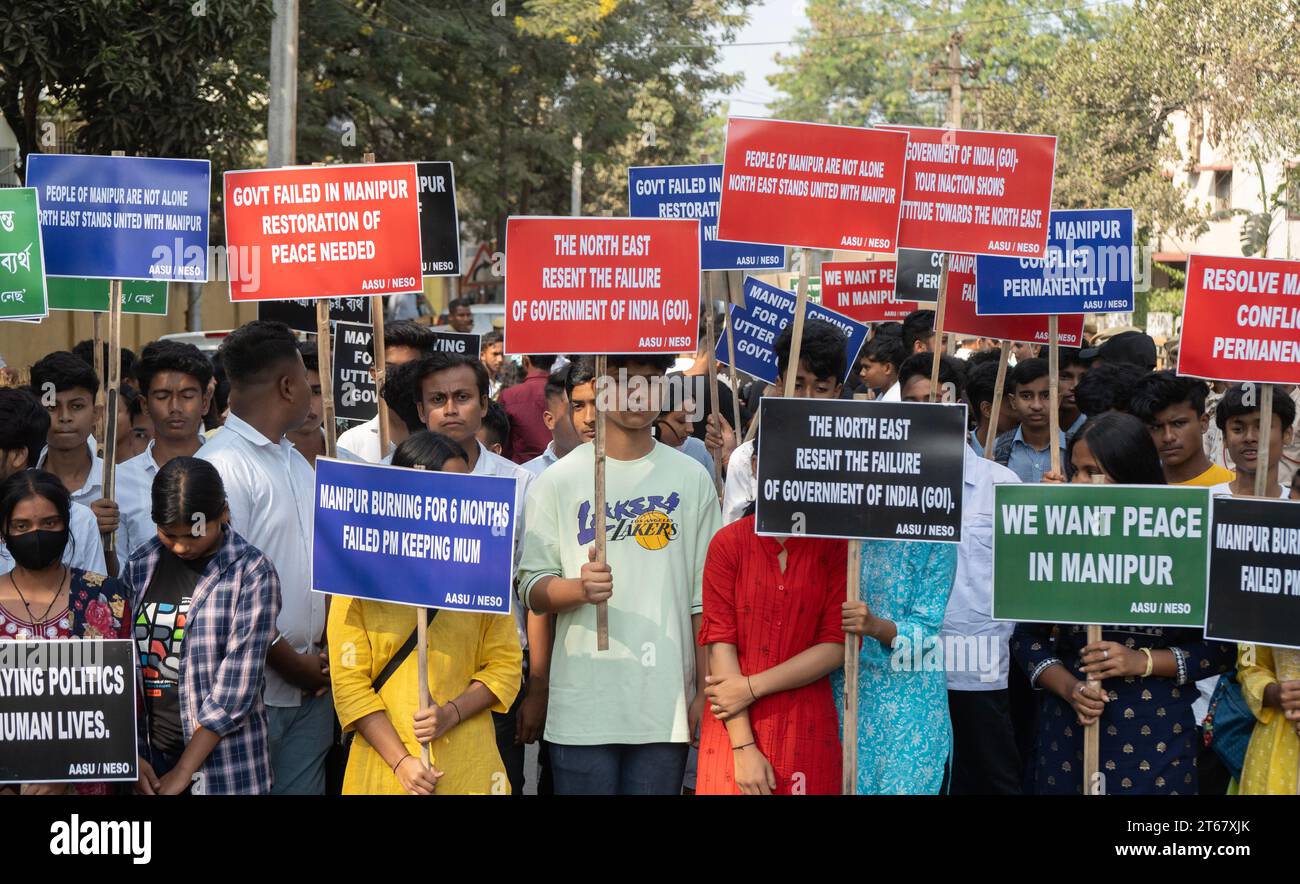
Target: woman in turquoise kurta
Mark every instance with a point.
(904, 732)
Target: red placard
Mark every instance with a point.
(811, 185)
(960, 318)
(1241, 320)
(981, 193)
(602, 285)
(323, 231)
(863, 290)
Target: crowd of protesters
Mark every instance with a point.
(724, 672)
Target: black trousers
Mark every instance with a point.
(985, 758)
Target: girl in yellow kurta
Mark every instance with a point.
(475, 668)
(1270, 682)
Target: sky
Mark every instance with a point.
(772, 20)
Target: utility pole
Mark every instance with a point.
(575, 192)
(954, 80)
(282, 118)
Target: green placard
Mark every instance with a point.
(77, 293)
(1124, 555)
(22, 263)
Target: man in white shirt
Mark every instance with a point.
(269, 489)
(174, 380)
(819, 374)
(404, 342)
(24, 426)
(453, 399)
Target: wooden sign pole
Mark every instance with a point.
(1265, 436)
(602, 608)
(381, 359)
(1092, 733)
(422, 661)
(711, 343)
(940, 307)
(114, 367)
(999, 391)
(1054, 393)
(325, 366)
(796, 333)
(852, 656)
(97, 320)
(731, 359)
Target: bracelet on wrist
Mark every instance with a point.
(400, 760)
(459, 717)
(1151, 663)
(746, 746)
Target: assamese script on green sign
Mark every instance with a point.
(1122, 555)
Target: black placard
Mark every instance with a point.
(854, 469)
(300, 314)
(355, 398)
(67, 711)
(1253, 593)
(439, 225)
(917, 275)
(464, 343)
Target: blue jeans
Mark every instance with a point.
(299, 738)
(619, 769)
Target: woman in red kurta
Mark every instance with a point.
(772, 625)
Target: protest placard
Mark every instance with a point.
(324, 231)
(961, 318)
(439, 222)
(864, 291)
(601, 285)
(460, 343)
(22, 259)
(856, 469)
(123, 217)
(67, 711)
(811, 185)
(757, 325)
(978, 193)
(918, 275)
(92, 295)
(1253, 595)
(300, 314)
(694, 192)
(414, 537)
(355, 398)
(1088, 269)
(1100, 554)
(1241, 320)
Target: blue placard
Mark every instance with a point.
(414, 537)
(757, 325)
(694, 192)
(1088, 269)
(123, 217)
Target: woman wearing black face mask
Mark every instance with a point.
(41, 598)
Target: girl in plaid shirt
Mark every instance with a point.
(205, 603)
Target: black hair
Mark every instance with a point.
(185, 486)
(1162, 389)
(557, 383)
(951, 371)
(1122, 446)
(493, 337)
(34, 483)
(436, 362)
(497, 422)
(85, 351)
(65, 372)
(1026, 372)
(659, 361)
(252, 351)
(580, 372)
(981, 384)
(917, 326)
(885, 348)
(400, 391)
(1108, 386)
(406, 333)
(543, 361)
(456, 303)
(889, 328)
(24, 423)
(310, 355)
(1233, 404)
(220, 394)
(160, 356)
(822, 349)
(429, 450)
(980, 357)
(1067, 356)
(133, 400)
